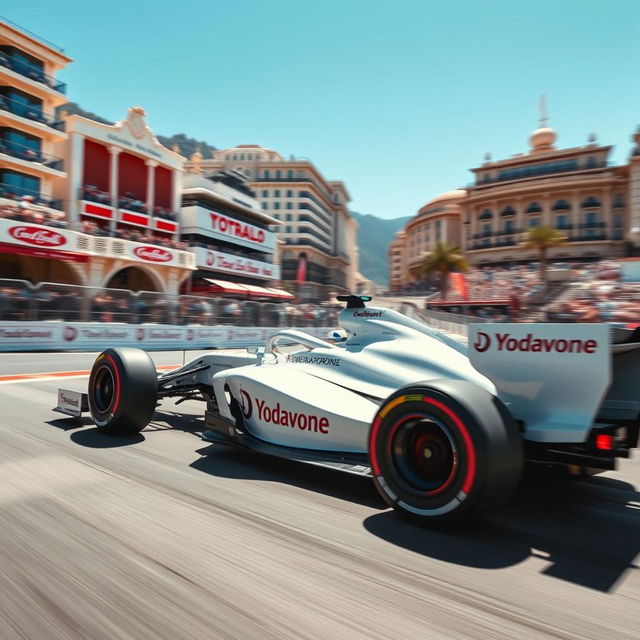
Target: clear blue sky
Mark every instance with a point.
(397, 98)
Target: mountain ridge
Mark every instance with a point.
(374, 236)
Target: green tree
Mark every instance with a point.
(442, 261)
(542, 239)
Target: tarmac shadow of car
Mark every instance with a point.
(229, 462)
(588, 530)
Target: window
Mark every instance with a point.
(266, 174)
(591, 218)
(617, 220)
(19, 183)
(276, 193)
(485, 215)
(591, 201)
(287, 229)
(289, 174)
(534, 207)
(265, 193)
(534, 222)
(508, 226)
(22, 104)
(289, 217)
(278, 173)
(289, 205)
(561, 222)
(618, 201)
(486, 229)
(289, 194)
(276, 205)
(265, 205)
(561, 205)
(18, 141)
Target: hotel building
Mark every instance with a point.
(232, 237)
(576, 190)
(82, 202)
(319, 254)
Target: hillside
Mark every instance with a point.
(186, 145)
(374, 236)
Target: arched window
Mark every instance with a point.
(508, 211)
(278, 173)
(485, 215)
(290, 174)
(534, 207)
(266, 174)
(561, 205)
(591, 201)
(618, 201)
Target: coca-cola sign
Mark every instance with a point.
(38, 236)
(153, 254)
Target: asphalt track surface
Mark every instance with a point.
(163, 536)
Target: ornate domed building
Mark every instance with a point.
(576, 190)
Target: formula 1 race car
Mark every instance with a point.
(443, 429)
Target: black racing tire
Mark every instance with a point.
(123, 391)
(445, 452)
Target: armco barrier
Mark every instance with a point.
(95, 336)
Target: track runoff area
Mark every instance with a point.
(165, 536)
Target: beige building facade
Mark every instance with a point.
(576, 190)
(318, 252)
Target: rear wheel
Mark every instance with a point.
(444, 452)
(122, 391)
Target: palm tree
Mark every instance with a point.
(543, 239)
(442, 261)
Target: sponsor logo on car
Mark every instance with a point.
(152, 254)
(283, 417)
(531, 344)
(64, 399)
(139, 334)
(323, 360)
(247, 404)
(37, 236)
(367, 314)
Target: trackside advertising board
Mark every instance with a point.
(552, 376)
(95, 336)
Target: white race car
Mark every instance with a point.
(442, 428)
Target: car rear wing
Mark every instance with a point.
(72, 403)
(560, 379)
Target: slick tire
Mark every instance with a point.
(122, 391)
(444, 452)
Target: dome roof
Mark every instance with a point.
(542, 139)
(456, 194)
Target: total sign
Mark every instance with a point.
(227, 263)
(195, 219)
(553, 377)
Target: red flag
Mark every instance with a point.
(459, 283)
(301, 276)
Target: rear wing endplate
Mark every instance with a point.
(553, 377)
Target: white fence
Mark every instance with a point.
(96, 336)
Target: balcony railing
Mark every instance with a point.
(592, 225)
(32, 72)
(600, 236)
(24, 152)
(12, 192)
(30, 112)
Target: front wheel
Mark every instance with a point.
(444, 452)
(122, 391)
